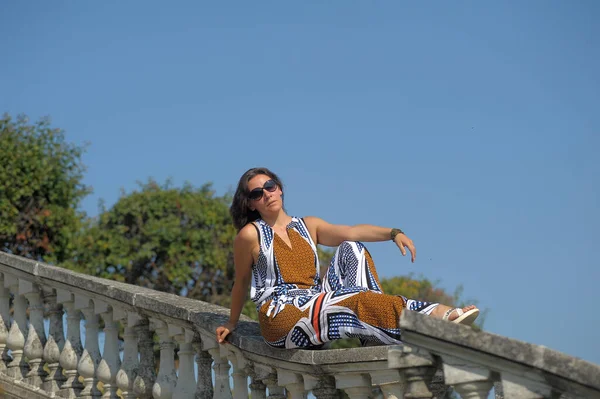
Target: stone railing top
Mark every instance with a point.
(426, 331)
(438, 337)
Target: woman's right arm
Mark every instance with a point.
(243, 246)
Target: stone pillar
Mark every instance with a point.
(356, 385)
(186, 383)
(143, 383)
(90, 358)
(18, 368)
(4, 325)
(469, 380)
(323, 387)
(293, 383)
(275, 391)
(110, 363)
(36, 336)
(72, 350)
(391, 382)
(258, 390)
(417, 366)
(204, 387)
(130, 366)
(498, 391)
(165, 381)
(220, 366)
(268, 375)
(55, 343)
(240, 374)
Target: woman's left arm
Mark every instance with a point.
(332, 235)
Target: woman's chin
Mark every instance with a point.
(273, 207)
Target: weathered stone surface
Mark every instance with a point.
(19, 263)
(11, 390)
(533, 356)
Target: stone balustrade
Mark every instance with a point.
(35, 363)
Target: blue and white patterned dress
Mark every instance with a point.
(298, 310)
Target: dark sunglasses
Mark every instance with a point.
(257, 193)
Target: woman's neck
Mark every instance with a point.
(280, 219)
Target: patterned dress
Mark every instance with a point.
(298, 310)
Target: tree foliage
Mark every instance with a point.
(40, 190)
(421, 289)
(176, 240)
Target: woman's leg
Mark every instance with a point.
(352, 266)
(353, 269)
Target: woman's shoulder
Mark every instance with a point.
(312, 220)
(247, 234)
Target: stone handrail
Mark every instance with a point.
(54, 364)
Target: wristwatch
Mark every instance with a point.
(394, 233)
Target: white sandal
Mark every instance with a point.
(467, 318)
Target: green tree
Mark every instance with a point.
(176, 240)
(40, 190)
(421, 289)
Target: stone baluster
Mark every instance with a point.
(186, 383)
(391, 382)
(55, 343)
(418, 368)
(293, 383)
(204, 387)
(36, 336)
(4, 325)
(240, 367)
(268, 375)
(527, 386)
(165, 381)
(130, 366)
(356, 385)
(275, 391)
(90, 358)
(438, 386)
(143, 383)
(111, 362)
(220, 366)
(258, 390)
(71, 353)
(498, 391)
(323, 387)
(469, 380)
(18, 368)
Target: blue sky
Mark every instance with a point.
(473, 126)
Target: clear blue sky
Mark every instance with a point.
(474, 126)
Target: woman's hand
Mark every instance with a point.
(223, 331)
(402, 241)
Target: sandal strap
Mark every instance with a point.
(459, 311)
(447, 314)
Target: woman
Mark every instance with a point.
(277, 254)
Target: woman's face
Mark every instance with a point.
(269, 201)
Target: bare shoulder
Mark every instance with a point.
(246, 244)
(312, 221)
(247, 236)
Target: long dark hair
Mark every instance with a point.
(240, 206)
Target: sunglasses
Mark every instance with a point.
(257, 193)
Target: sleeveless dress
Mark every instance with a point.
(296, 309)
